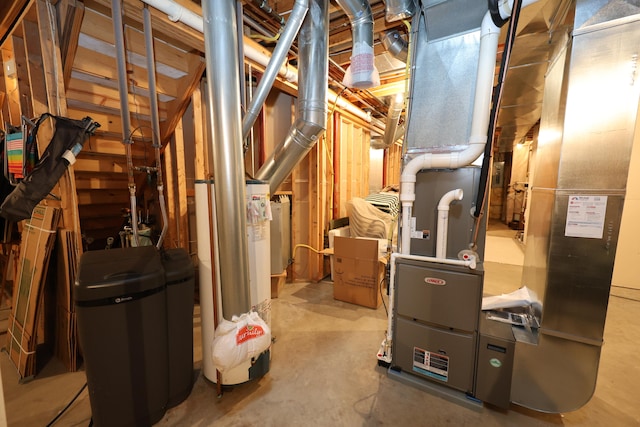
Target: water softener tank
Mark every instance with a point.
(122, 316)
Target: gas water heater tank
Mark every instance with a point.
(258, 238)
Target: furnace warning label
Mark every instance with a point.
(585, 216)
(433, 365)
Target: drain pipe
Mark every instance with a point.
(311, 113)
(118, 34)
(155, 118)
(223, 115)
(278, 56)
(362, 73)
(489, 33)
(443, 221)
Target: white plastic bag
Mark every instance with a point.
(239, 340)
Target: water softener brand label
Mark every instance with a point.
(435, 281)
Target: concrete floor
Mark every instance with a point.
(324, 373)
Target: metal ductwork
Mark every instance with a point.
(278, 57)
(394, 44)
(311, 112)
(587, 130)
(392, 132)
(399, 9)
(362, 73)
(224, 117)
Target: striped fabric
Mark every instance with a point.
(386, 202)
(15, 154)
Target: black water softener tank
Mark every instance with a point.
(179, 277)
(120, 299)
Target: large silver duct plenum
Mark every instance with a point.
(311, 111)
(225, 121)
(589, 114)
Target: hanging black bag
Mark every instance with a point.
(67, 141)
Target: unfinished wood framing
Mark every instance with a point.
(171, 195)
(182, 217)
(392, 165)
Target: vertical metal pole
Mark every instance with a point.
(155, 117)
(224, 115)
(118, 34)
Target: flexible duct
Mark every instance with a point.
(252, 50)
(489, 34)
(279, 55)
(443, 221)
(155, 119)
(395, 44)
(121, 62)
(361, 73)
(391, 129)
(224, 116)
(311, 112)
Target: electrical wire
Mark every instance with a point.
(301, 245)
(386, 310)
(66, 407)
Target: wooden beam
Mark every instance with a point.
(90, 63)
(171, 195)
(99, 27)
(167, 29)
(71, 13)
(181, 187)
(11, 14)
(201, 147)
(11, 82)
(186, 86)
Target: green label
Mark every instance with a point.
(495, 362)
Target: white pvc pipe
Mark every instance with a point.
(252, 51)
(489, 34)
(443, 221)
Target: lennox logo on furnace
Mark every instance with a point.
(435, 281)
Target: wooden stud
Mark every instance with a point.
(182, 216)
(170, 194)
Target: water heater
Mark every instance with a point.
(258, 238)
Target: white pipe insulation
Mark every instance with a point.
(443, 221)
(252, 50)
(489, 34)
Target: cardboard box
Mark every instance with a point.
(358, 271)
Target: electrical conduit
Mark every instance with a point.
(118, 34)
(155, 118)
